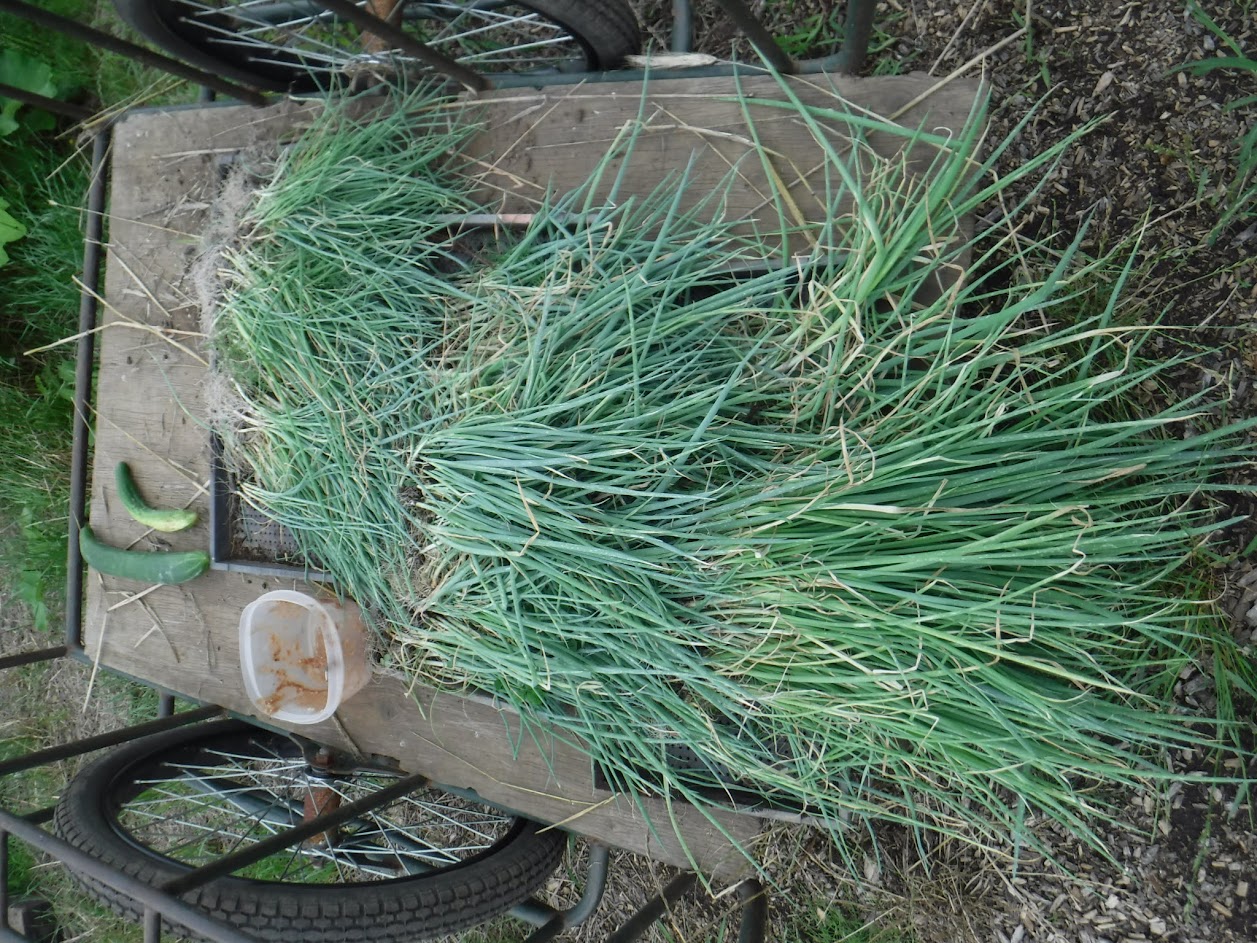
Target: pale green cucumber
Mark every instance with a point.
(141, 565)
(167, 521)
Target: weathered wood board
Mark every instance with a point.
(690, 135)
(152, 407)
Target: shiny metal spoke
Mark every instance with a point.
(226, 36)
(156, 820)
(294, 856)
(197, 800)
(289, 35)
(532, 19)
(308, 63)
(456, 821)
(360, 859)
(415, 836)
(222, 800)
(241, 762)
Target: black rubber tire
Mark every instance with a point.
(607, 31)
(443, 901)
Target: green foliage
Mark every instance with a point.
(35, 427)
(1033, 54)
(78, 68)
(10, 230)
(43, 178)
(38, 294)
(817, 33)
(22, 875)
(31, 75)
(37, 289)
(36, 711)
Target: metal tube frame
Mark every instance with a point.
(93, 243)
(849, 58)
(102, 741)
(122, 47)
(32, 657)
(174, 910)
(750, 27)
(56, 106)
(161, 902)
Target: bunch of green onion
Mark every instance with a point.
(871, 549)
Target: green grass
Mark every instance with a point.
(85, 73)
(821, 923)
(43, 178)
(22, 875)
(40, 299)
(1037, 56)
(887, 556)
(35, 414)
(40, 704)
(47, 182)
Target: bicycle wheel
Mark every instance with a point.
(425, 865)
(297, 46)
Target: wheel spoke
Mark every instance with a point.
(162, 806)
(215, 801)
(226, 36)
(166, 820)
(293, 857)
(298, 36)
(531, 19)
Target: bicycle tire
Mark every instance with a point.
(441, 901)
(212, 35)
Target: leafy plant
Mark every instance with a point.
(1036, 55)
(816, 31)
(28, 74)
(10, 230)
(74, 65)
(40, 301)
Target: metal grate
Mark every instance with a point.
(243, 539)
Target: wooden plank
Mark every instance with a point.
(152, 408)
(692, 134)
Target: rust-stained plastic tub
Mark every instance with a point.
(301, 657)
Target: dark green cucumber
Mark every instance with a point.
(142, 565)
(167, 521)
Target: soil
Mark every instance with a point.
(1153, 175)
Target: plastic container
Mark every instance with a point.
(302, 657)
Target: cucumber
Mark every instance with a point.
(142, 565)
(167, 521)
